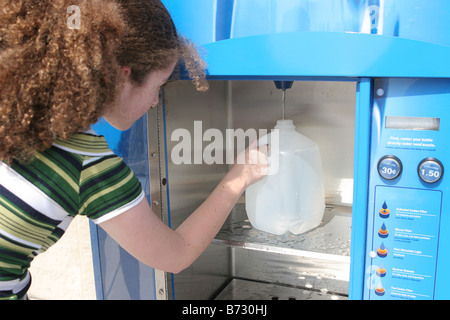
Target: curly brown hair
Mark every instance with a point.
(56, 80)
(153, 31)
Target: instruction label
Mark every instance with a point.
(404, 244)
(411, 143)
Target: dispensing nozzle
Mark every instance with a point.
(283, 85)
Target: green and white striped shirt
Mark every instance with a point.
(38, 200)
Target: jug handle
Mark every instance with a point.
(272, 140)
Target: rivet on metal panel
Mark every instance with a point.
(156, 203)
(380, 92)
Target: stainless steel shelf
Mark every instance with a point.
(239, 289)
(329, 241)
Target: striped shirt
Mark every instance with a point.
(38, 200)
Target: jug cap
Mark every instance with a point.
(285, 124)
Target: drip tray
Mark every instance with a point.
(239, 289)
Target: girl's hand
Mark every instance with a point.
(251, 165)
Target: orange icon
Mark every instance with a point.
(381, 271)
(384, 211)
(382, 251)
(379, 290)
(383, 232)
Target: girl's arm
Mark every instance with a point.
(148, 239)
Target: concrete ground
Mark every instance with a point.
(65, 271)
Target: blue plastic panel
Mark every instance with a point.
(206, 21)
(403, 243)
(253, 17)
(212, 19)
(360, 186)
(427, 21)
(325, 54)
(119, 276)
(275, 39)
(407, 240)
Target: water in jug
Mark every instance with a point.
(290, 198)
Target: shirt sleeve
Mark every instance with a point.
(108, 187)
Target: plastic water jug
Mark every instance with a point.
(290, 198)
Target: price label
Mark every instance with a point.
(389, 167)
(430, 170)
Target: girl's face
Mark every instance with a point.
(133, 101)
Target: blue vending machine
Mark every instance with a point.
(371, 85)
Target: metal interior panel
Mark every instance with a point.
(312, 273)
(239, 289)
(206, 278)
(190, 184)
(318, 260)
(322, 111)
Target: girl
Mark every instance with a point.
(59, 74)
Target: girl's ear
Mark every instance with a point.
(125, 72)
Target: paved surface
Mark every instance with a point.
(65, 271)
